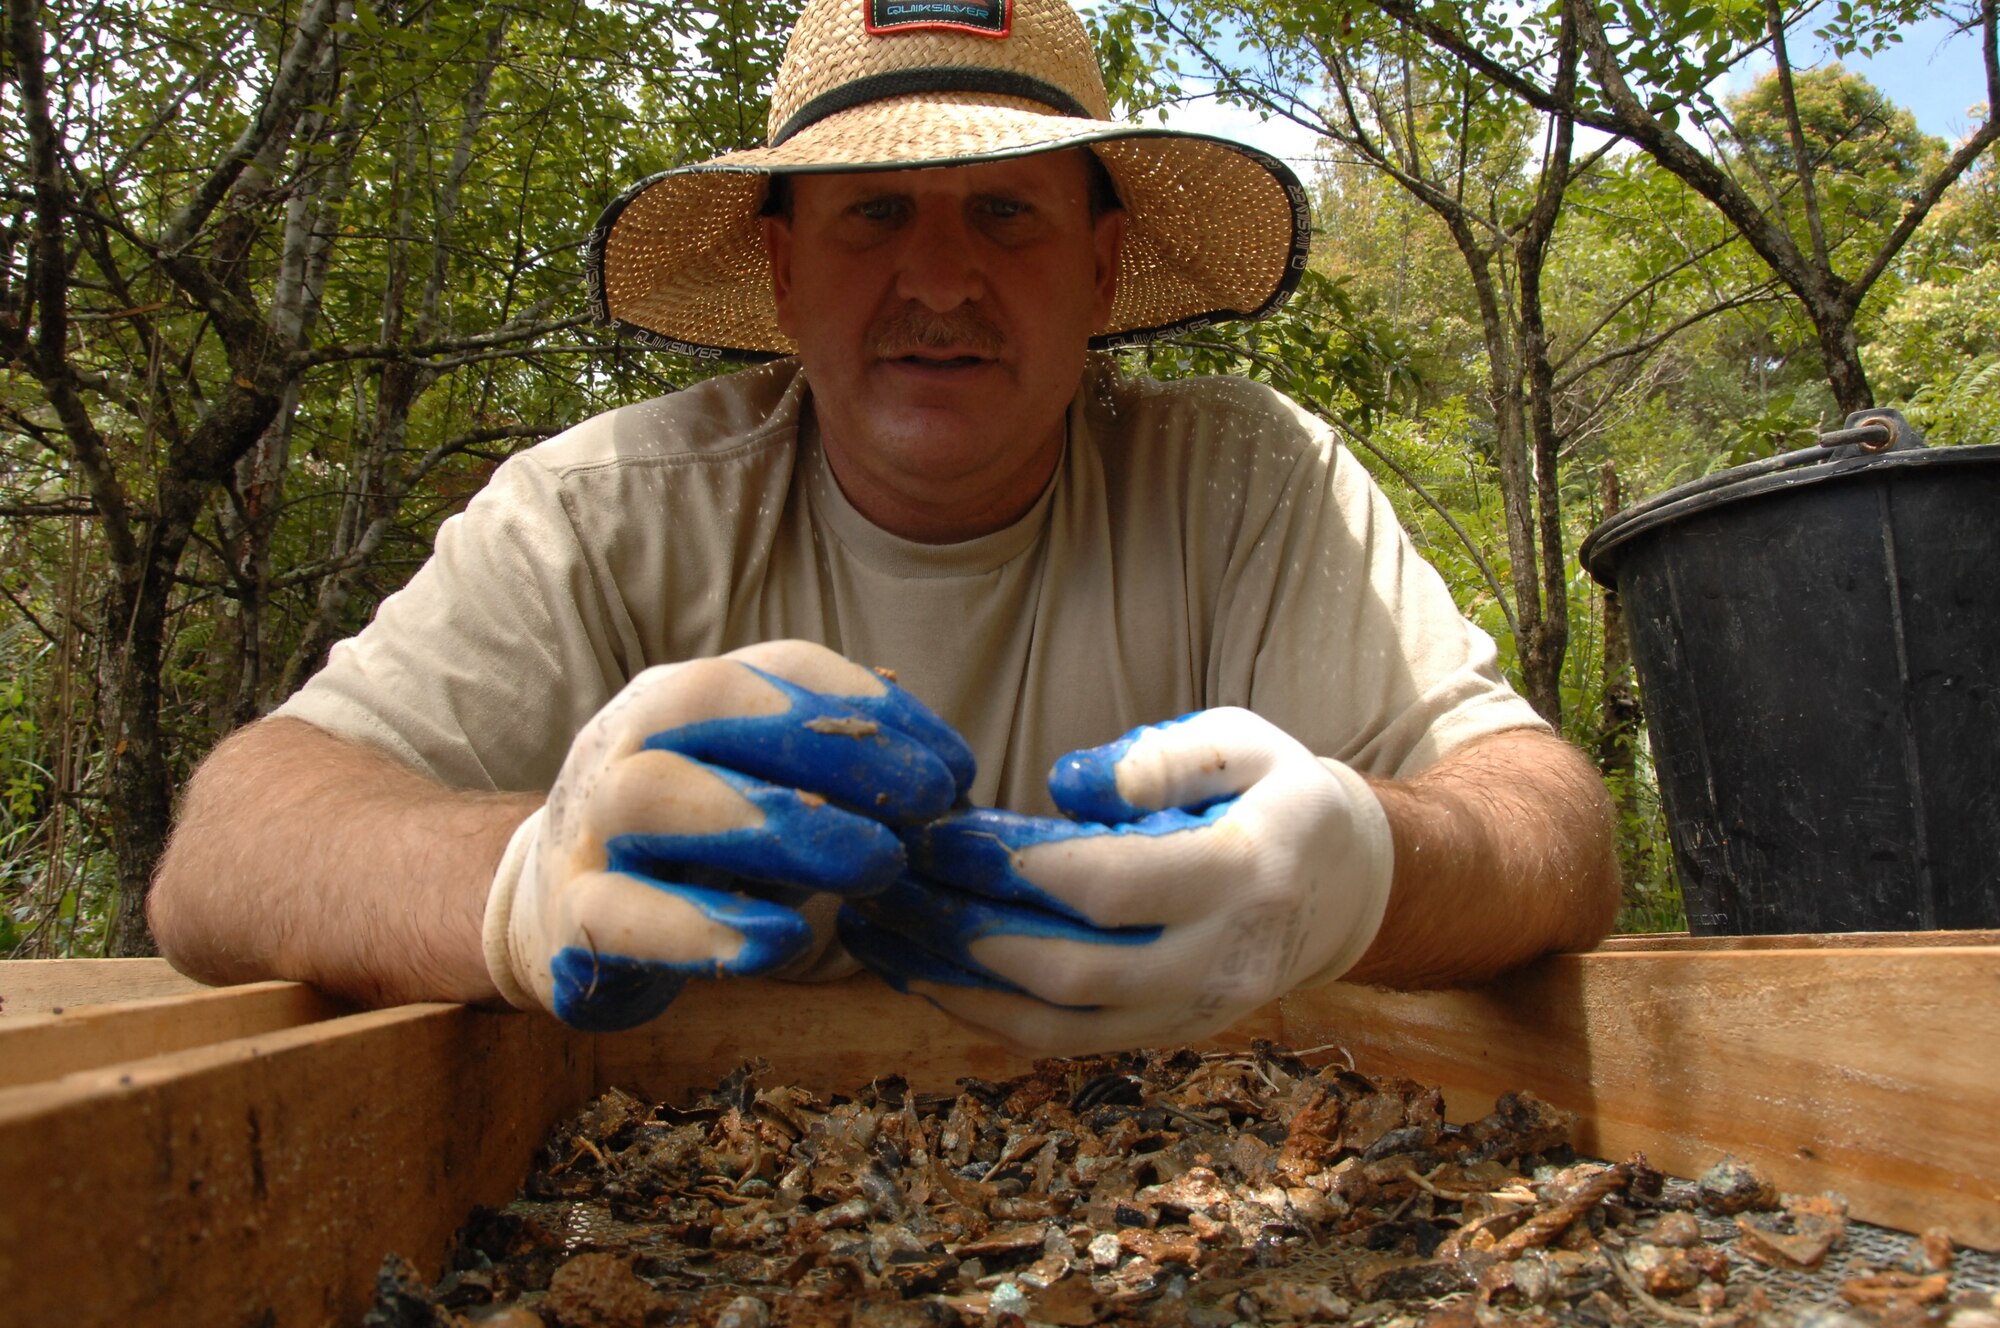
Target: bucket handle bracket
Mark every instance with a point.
(1880, 430)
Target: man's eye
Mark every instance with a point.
(1005, 209)
(879, 209)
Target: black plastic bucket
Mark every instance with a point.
(1818, 645)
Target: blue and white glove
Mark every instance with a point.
(1209, 865)
(781, 764)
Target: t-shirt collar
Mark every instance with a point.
(906, 557)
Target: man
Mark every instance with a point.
(619, 732)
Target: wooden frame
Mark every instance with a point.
(1868, 1068)
(248, 1155)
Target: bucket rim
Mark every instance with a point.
(1792, 470)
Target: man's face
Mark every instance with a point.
(942, 317)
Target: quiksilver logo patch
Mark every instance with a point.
(988, 18)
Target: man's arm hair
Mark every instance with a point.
(301, 855)
(1505, 850)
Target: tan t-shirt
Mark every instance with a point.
(1202, 543)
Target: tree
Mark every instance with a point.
(1497, 177)
(1936, 347)
(280, 285)
(1650, 64)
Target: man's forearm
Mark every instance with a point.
(300, 855)
(1504, 851)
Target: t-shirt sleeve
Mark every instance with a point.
(1360, 650)
(500, 648)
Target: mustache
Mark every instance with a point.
(964, 330)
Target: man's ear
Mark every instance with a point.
(1107, 241)
(778, 249)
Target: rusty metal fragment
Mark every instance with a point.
(1733, 1186)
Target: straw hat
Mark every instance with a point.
(1214, 230)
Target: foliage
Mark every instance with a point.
(52, 864)
(281, 284)
(1936, 348)
(1647, 75)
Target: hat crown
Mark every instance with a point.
(837, 43)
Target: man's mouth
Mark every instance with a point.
(931, 360)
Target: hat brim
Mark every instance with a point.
(1215, 230)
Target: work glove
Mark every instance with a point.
(777, 768)
(1207, 866)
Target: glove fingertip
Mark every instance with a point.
(767, 935)
(927, 787)
(606, 993)
(902, 711)
(769, 943)
(958, 758)
(1084, 784)
(980, 853)
(1192, 762)
(828, 848)
(922, 723)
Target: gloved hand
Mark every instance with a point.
(781, 763)
(1210, 864)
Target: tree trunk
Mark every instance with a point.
(1618, 725)
(258, 493)
(1842, 353)
(1539, 642)
(138, 791)
(1546, 645)
(1614, 106)
(1532, 639)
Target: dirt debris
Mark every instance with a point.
(1732, 1186)
(1170, 1189)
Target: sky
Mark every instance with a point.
(1933, 72)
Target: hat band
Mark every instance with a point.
(936, 78)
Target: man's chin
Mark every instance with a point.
(915, 429)
(979, 392)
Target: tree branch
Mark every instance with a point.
(1646, 345)
(287, 83)
(1639, 292)
(163, 414)
(468, 442)
(59, 507)
(48, 356)
(21, 607)
(1628, 118)
(506, 336)
(1802, 162)
(1960, 161)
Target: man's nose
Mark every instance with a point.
(939, 267)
